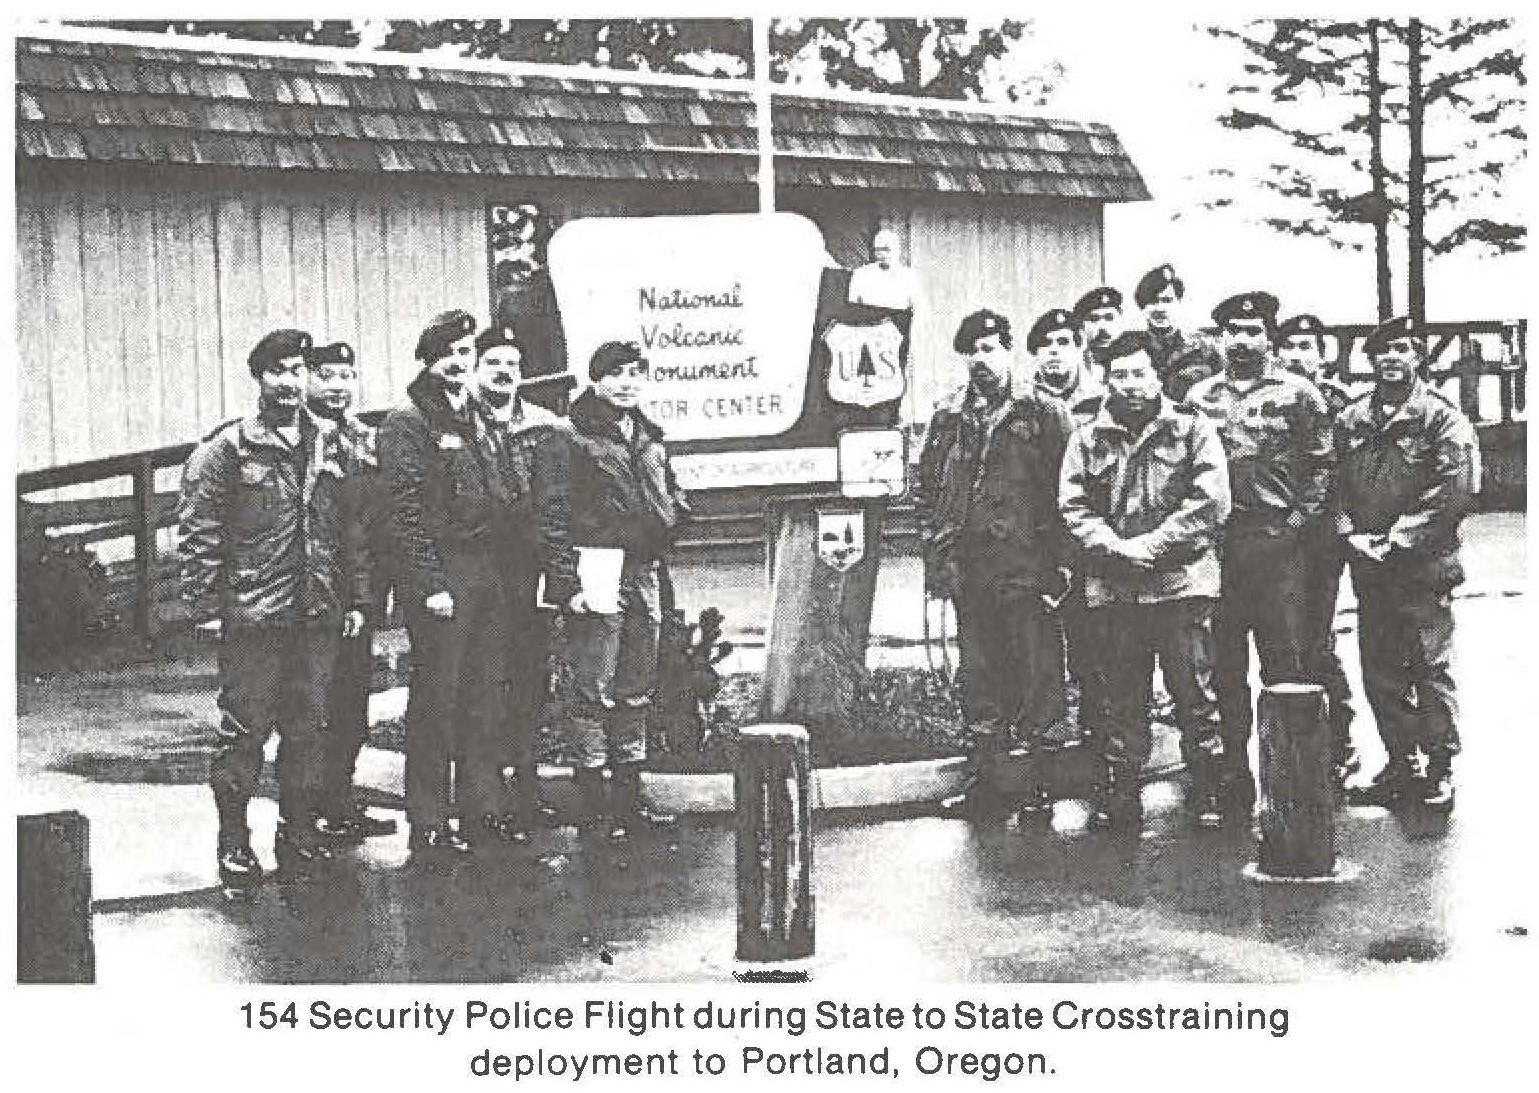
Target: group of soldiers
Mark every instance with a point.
(474, 506)
(1163, 494)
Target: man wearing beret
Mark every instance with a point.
(447, 578)
(333, 381)
(1408, 473)
(994, 545)
(1064, 370)
(1099, 314)
(1300, 344)
(265, 568)
(509, 432)
(604, 482)
(1145, 491)
(1182, 358)
(1277, 436)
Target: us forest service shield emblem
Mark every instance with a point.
(841, 540)
(865, 366)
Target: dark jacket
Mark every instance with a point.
(1169, 486)
(266, 537)
(363, 499)
(1412, 477)
(595, 488)
(988, 490)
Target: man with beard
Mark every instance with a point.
(1409, 472)
(265, 571)
(448, 579)
(509, 431)
(1099, 314)
(1277, 437)
(1300, 346)
(1145, 491)
(1181, 358)
(604, 483)
(994, 544)
(333, 379)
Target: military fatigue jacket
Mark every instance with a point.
(1410, 474)
(1084, 401)
(1182, 360)
(1168, 486)
(1335, 393)
(1277, 436)
(988, 488)
(266, 535)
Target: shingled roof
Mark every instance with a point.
(138, 99)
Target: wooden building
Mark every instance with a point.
(176, 198)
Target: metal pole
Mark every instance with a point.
(766, 130)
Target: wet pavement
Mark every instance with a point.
(936, 898)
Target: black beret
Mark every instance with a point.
(1246, 305)
(1402, 326)
(611, 357)
(1095, 299)
(979, 325)
(276, 346)
(493, 336)
(446, 328)
(1056, 319)
(1127, 344)
(1155, 282)
(1303, 323)
(332, 353)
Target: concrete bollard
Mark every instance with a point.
(53, 899)
(1298, 820)
(774, 850)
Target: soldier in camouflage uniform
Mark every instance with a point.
(1409, 469)
(1300, 344)
(1277, 437)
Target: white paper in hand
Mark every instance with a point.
(598, 573)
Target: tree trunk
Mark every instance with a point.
(1376, 172)
(1416, 187)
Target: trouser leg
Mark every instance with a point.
(1035, 649)
(308, 661)
(1384, 647)
(593, 649)
(437, 650)
(1230, 649)
(483, 689)
(250, 700)
(1127, 668)
(1323, 663)
(987, 689)
(1184, 640)
(347, 719)
(1428, 620)
(528, 682)
(1085, 641)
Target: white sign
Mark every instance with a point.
(841, 539)
(771, 467)
(865, 362)
(721, 305)
(871, 463)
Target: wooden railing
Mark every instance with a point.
(1467, 365)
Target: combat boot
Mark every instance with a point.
(298, 846)
(1120, 806)
(239, 871)
(1387, 787)
(1437, 789)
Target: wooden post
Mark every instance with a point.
(1470, 365)
(1298, 826)
(53, 899)
(774, 845)
(144, 547)
(820, 619)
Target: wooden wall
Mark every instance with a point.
(141, 291)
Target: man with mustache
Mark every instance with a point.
(1144, 493)
(1409, 473)
(509, 431)
(266, 572)
(994, 544)
(1099, 314)
(1181, 358)
(1276, 435)
(448, 580)
(1300, 344)
(333, 381)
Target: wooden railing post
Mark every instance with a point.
(774, 850)
(144, 546)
